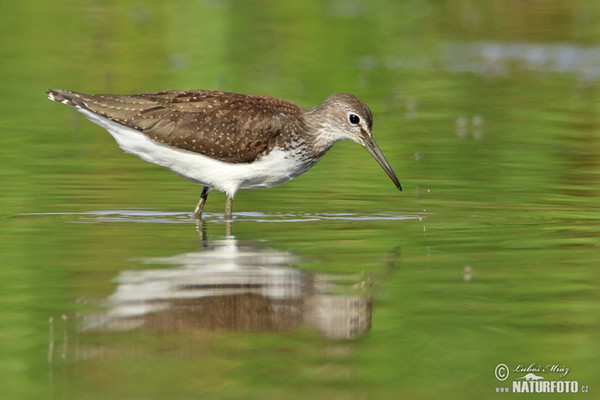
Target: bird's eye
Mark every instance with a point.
(354, 119)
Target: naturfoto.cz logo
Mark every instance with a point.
(530, 379)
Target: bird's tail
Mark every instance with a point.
(64, 96)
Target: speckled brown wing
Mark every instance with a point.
(226, 126)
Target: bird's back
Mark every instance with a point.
(228, 127)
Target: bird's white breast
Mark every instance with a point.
(273, 169)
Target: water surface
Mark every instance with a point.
(334, 285)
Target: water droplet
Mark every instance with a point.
(461, 127)
(467, 273)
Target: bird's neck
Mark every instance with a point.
(320, 129)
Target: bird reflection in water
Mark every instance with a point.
(228, 286)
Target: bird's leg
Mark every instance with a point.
(228, 204)
(201, 202)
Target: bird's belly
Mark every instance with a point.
(273, 169)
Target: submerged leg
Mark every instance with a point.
(228, 204)
(201, 202)
(201, 228)
(228, 224)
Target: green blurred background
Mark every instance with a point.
(488, 111)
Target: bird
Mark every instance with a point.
(228, 141)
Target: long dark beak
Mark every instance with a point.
(375, 151)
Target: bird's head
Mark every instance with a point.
(345, 116)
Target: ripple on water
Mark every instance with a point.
(144, 216)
